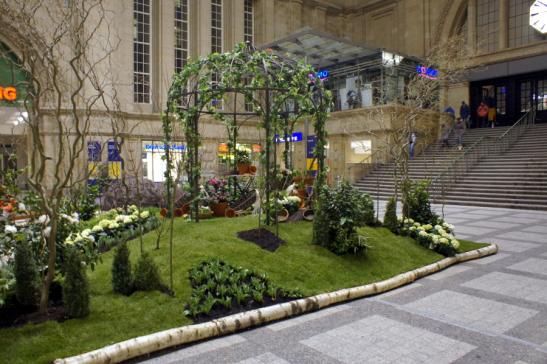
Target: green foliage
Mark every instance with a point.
(147, 276)
(242, 157)
(366, 208)
(7, 285)
(417, 204)
(390, 216)
(76, 285)
(337, 215)
(218, 285)
(26, 275)
(122, 278)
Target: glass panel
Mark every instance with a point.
(141, 51)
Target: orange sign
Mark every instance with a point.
(8, 93)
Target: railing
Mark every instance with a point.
(366, 166)
(483, 147)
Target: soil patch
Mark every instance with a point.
(262, 237)
(12, 314)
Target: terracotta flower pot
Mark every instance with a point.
(308, 215)
(283, 215)
(179, 212)
(243, 168)
(163, 212)
(185, 208)
(219, 209)
(308, 180)
(252, 169)
(230, 212)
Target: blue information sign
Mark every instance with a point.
(296, 137)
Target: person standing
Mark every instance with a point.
(460, 130)
(411, 145)
(482, 112)
(465, 114)
(445, 132)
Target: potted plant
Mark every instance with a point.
(297, 176)
(205, 212)
(309, 179)
(243, 161)
(217, 193)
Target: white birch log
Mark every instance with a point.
(191, 333)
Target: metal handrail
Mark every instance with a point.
(485, 146)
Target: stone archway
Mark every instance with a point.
(450, 19)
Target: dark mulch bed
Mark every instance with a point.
(261, 237)
(13, 314)
(218, 312)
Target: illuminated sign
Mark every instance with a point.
(161, 147)
(427, 72)
(8, 93)
(323, 75)
(296, 137)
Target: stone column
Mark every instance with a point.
(472, 25)
(233, 23)
(200, 27)
(264, 22)
(503, 24)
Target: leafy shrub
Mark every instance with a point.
(7, 285)
(122, 278)
(147, 276)
(26, 275)
(390, 216)
(417, 204)
(337, 216)
(76, 286)
(366, 207)
(217, 285)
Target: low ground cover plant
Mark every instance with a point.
(438, 237)
(218, 287)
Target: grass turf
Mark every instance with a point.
(297, 264)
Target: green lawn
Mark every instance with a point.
(297, 264)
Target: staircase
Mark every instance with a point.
(514, 179)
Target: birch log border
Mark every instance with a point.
(226, 325)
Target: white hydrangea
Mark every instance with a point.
(97, 228)
(406, 221)
(455, 244)
(443, 240)
(145, 214)
(10, 229)
(119, 218)
(416, 224)
(113, 225)
(43, 219)
(86, 232)
(127, 220)
(294, 199)
(423, 233)
(412, 228)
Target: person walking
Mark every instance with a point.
(459, 131)
(450, 111)
(411, 145)
(482, 113)
(465, 114)
(445, 132)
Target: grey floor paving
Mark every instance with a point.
(492, 310)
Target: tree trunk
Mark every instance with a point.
(50, 275)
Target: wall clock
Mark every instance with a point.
(538, 16)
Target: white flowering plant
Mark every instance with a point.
(439, 237)
(116, 226)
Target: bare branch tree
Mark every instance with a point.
(62, 46)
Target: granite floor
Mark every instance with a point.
(492, 310)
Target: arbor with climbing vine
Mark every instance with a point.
(266, 82)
